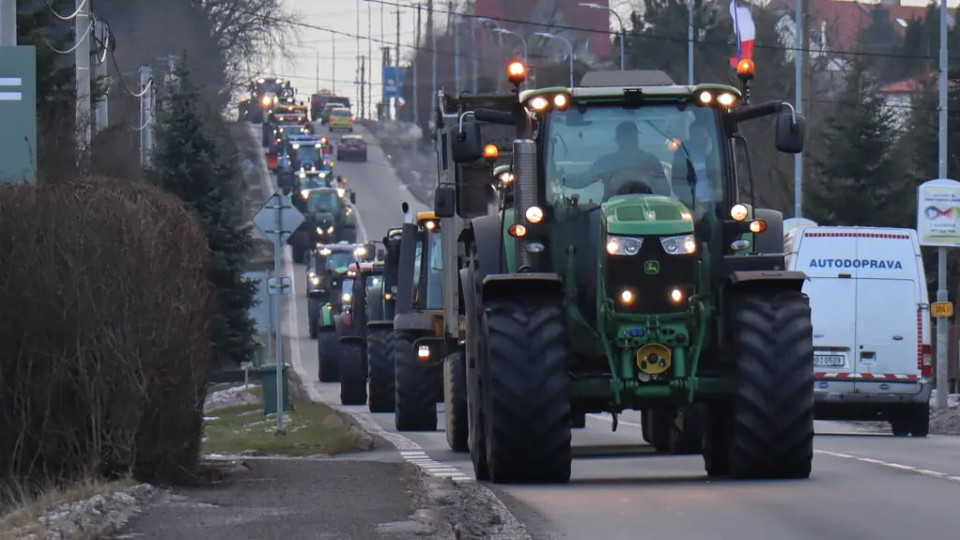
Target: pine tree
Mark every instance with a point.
(192, 163)
(861, 179)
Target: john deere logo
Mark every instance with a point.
(651, 267)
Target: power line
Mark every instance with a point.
(75, 45)
(69, 17)
(123, 82)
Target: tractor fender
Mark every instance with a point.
(499, 285)
(770, 240)
(776, 280)
(485, 233)
(414, 321)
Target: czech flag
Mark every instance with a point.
(745, 31)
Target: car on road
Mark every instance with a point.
(871, 323)
(327, 109)
(341, 118)
(352, 147)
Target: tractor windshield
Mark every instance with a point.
(323, 201)
(339, 260)
(428, 289)
(306, 152)
(599, 152)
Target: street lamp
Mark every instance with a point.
(569, 46)
(592, 5)
(523, 40)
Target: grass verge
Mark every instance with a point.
(309, 429)
(22, 512)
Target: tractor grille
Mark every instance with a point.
(650, 289)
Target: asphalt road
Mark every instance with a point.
(865, 485)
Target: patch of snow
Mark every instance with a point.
(93, 517)
(230, 397)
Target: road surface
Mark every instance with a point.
(865, 485)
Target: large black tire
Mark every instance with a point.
(527, 390)
(660, 419)
(353, 380)
(686, 430)
(716, 438)
(772, 435)
(380, 362)
(328, 356)
(455, 401)
(416, 387)
(313, 316)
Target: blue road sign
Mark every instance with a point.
(18, 109)
(392, 81)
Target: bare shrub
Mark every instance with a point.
(104, 332)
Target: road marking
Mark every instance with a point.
(411, 452)
(890, 465)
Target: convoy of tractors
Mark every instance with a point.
(559, 276)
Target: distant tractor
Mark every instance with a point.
(624, 271)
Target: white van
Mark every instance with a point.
(871, 323)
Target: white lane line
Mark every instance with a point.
(408, 449)
(890, 465)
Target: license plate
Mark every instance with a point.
(829, 360)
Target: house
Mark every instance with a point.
(899, 98)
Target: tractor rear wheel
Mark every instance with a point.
(416, 387)
(313, 316)
(328, 352)
(772, 432)
(527, 404)
(455, 401)
(380, 360)
(353, 380)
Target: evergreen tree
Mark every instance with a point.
(861, 178)
(192, 163)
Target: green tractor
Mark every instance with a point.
(365, 305)
(329, 217)
(380, 311)
(419, 348)
(624, 272)
(331, 270)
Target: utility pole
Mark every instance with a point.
(8, 23)
(370, 56)
(690, 42)
(396, 103)
(82, 58)
(102, 104)
(433, 54)
(333, 71)
(800, 20)
(456, 51)
(476, 58)
(416, 75)
(146, 115)
(363, 85)
(384, 102)
(942, 358)
(357, 71)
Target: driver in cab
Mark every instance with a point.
(629, 169)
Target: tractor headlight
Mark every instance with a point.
(315, 280)
(346, 297)
(623, 245)
(325, 252)
(341, 192)
(330, 229)
(266, 100)
(305, 193)
(679, 245)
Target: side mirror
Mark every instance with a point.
(467, 146)
(353, 197)
(445, 200)
(404, 207)
(791, 128)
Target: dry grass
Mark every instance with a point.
(23, 511)
(310, 429)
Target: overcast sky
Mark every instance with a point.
(341, 15)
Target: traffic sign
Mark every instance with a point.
(281, 285)
(942, 309)
(18, 109)
(277, 218)
(392, 81)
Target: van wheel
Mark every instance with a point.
(920, 420)
(900, 426)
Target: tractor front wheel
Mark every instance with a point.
(455, 401)
(380, 362)
(526, 405)
(416, 387)
(772, 431)
(328, 356)
(353, 381)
